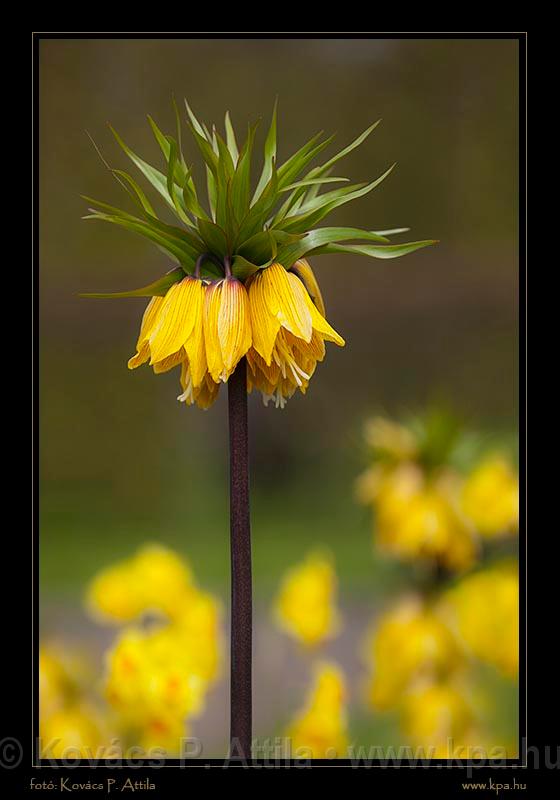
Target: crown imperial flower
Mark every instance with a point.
(242, 286)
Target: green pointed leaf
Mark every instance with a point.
(207, 151)
(352, 146)
(230, 139)
(157, 288)
(289, 171)
(259, 212)
(241, 183)
(375, 251)
(312, 182)
(179, 133)
(226, 163)
(194, 122)
(171, 188)
(214, 237)
(153, 175)
(290, 252)
(179, 174)
(392, 231)
(325, 169)
(190, 199)
(181, 237)
(180, 250)
(242, 268)
(143, 200)
(322, 205)
(269, 156)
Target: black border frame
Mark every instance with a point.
(428, 765)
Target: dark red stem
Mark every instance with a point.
(241, 582)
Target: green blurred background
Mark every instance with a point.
(121, 461)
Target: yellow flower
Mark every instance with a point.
(157, 676)
(484, 609)
(154, 579)
(306, 603)
(162, 674)
(490, 498)
(416, 517)
(74, 732)
(407, 645)
(171, 329)
(289, 332)
(227, 326)
(320, 729)
(278, 323)
(437, 715)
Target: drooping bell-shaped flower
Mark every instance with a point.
(243, 286)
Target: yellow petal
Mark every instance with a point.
(175, 319)
(320, 324)
(286, 299)
(149, 320)
(141, 356)
(307, 276)
(234, 323)
(212, 304)
(194, 345)
(264, 326)
(171, 361)
(206, 394)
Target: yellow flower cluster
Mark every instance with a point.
(306, 604)
(433, 513)
(320, 730)
(484, 611)
(416, 667)
(417, 657)
(157, 675)
(276, 319)
(418, 516)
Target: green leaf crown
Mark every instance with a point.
(250, 228)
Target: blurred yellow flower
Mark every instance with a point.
(54, 682)
(164, 673)
(153, 580)
(389, 438)
(157, 675)
(407, 645)
(484, 609)
(437, 716)
(64, 674)
(306, 603)
(77, 731)
(490, 497)
(416, 517)
(320, 729)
